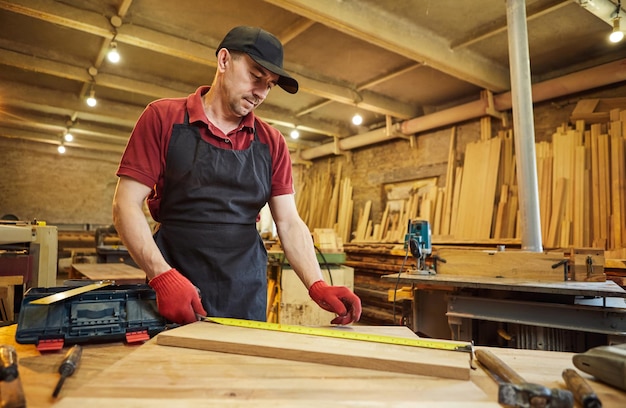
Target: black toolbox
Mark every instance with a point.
(107, 314)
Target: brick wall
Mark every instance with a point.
(39, 183)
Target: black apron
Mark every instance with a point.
(210, 202)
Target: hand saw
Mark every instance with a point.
(47, 300)
(351, 335)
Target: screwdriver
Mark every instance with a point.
(68, 366)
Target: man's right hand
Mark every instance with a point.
(178, 299)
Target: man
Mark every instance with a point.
(207, 165)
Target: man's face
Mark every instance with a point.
(246, 84)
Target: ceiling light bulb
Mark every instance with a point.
(113, 55)
(617, 35)
(68, 137)
(294, 134)
(91, 100)
(61, 149)
(357, 119)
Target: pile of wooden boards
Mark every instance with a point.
(581, 179)
(324, 200)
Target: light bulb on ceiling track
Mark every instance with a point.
(61, 149)
(113, 55)
(294, 134)
(91, 100)
(68, 137)
(357, 119)
(617, 34)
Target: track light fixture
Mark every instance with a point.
(68, 137)
(113, 55)
(61, 149)
(91, 100)
(617, 34)
(294, 134)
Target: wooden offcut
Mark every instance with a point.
(587, 264)
(316, 349)
(536, 266)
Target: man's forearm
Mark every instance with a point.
(298, 247)
(134, 230)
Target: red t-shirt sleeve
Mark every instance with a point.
(144, 157)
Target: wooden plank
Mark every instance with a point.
(449, 188)
(504, 264)
(119, 272)
(315, 349)
(617, 188)
(556, 212)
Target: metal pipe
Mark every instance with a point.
(602, 75)
(523, 123)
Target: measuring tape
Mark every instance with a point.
(342, 334)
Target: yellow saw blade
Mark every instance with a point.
(47, 300)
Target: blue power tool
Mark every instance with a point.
(418, 241)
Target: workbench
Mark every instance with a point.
(594, 307)
(118, 375)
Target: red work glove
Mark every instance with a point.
(177, 299)
(337, 299)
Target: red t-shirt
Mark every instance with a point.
(145, 155)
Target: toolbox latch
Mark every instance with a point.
(50, 344)
(138, 336)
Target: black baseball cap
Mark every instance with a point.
(264, 48)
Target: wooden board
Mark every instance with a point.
(121, 273)
(505, 264)
(315, 349)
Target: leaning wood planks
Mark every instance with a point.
(315, 349)
(478, 190)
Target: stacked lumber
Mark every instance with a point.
(324, 200)
(581, 186)
(370, 263)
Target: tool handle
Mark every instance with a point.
(11, 391)
(70, 362)
(498, 367)
(581, 389)
(8, 363)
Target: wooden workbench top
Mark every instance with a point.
(118, 375)
(601, 289)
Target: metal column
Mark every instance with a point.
(524, 129)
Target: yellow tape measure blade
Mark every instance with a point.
(343, 334)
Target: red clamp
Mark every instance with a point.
(50, 344)
(137, 336)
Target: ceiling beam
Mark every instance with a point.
(498, 26)
(66, 71)
(365, 22)
(96, 24)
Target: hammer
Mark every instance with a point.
(513, 391)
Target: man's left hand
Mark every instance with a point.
(337, 299)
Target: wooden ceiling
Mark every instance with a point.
(389, 60)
